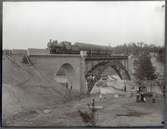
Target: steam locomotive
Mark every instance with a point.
(66, 47)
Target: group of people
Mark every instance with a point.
(142, 94)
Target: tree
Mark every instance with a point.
(144, 69)
(161, 55)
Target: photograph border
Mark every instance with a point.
(155, 127)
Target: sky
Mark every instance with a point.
(32, 24)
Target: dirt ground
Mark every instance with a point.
(33, 105)
(115, 112)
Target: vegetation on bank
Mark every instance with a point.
(144, 68)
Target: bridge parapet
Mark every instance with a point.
(34, 51)
(108, 58)
(56, 55)
(14, 52)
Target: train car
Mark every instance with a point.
(66, 47)
(94, 50)
(75, 49)
(85, 46)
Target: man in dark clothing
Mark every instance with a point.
(142, 97)
(138, 96)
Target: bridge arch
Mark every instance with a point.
(94, 74)
(66, 74)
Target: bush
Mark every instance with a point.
(161, 55)
(88, 117)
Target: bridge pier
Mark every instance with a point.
(125, 64)
(83, 88)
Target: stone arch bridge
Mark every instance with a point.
(81, 71)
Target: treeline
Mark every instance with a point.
(161, 55)
(138, 48)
